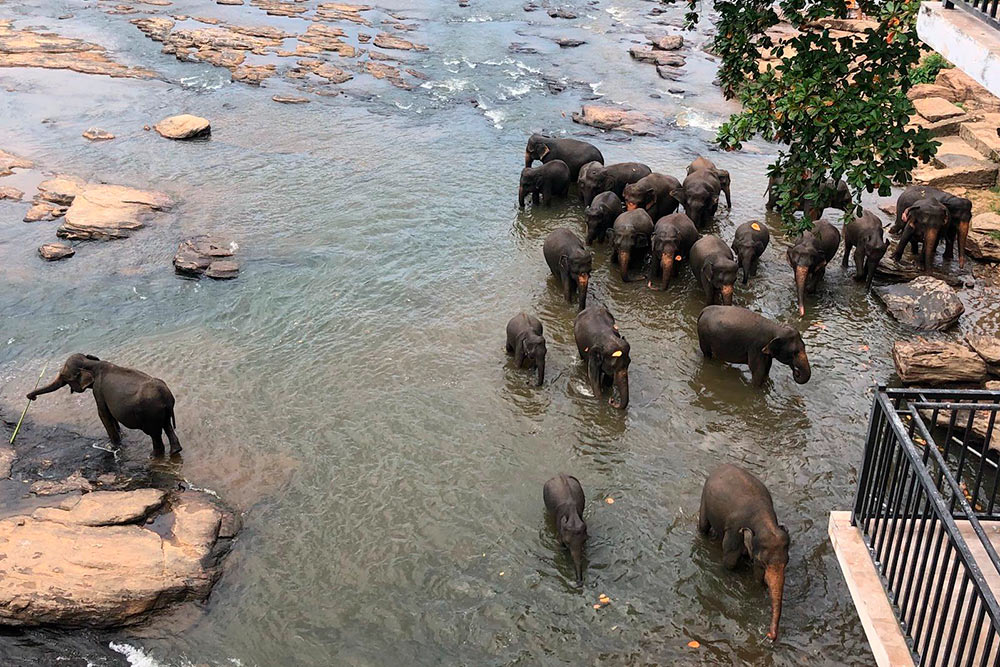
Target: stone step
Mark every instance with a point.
(983, 137)
(959, 171)
(936, 109)
(957, 146)
(941, 128)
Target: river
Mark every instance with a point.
(350, 392)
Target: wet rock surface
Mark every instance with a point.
(656, 57)
(97, 134)
(9, 162)
(103, 212)
(936, 362)
(923, 303)
(208, 256)
(615, 118)
(55, 251)
(12, 193)
(987, 347)
(184, 126)
(984, 237)
(28, 48)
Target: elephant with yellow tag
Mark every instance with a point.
(606, 353)
(749, 243)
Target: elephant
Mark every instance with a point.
(570, 261)
(601, 215)
(573, 152)
(550, 180)
(714, 268)
(605, 351)
(630, 237)
(704, 164)
(737, 507)
(808, 258)
(564, 500)
(123, 396)
(699, 195)
(924, 220)
(831, 195)
(673, 237)
(583, 177)
(653, 194)
(749, 243)
(526, 343)
(740, 336)
(959, 217)
(612, 178)
(864, 234)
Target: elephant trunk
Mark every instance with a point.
(540, 367)
(774, 576)
(621, 384)
(801, 274)
(930, 245)
(800, 368)
(963, 235)
(58, 383)
(528, 159)
(667, 268)
(631, 206)
(582, 281)
(746, 261)
(623, 260)
(871, 264)
(576, 552)
(726, 292)
(520, 196)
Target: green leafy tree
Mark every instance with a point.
(838, 103)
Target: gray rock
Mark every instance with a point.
(667, 42)
(655, 57)
(52, 252)
(207, 255)
(925, 303)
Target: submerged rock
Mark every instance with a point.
(27, 48)
(984, 237)
(938, 362)
(104, 212)
(10, 162)
(97, 134)
(184, 126)
(75, 482)
(290, 99)
(923, 303)
(55, 251)
(43, 210)
(206, 255)
(60, 189)
(569, 43)
(86, 562)
(560, 13)
(384, 40)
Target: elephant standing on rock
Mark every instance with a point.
(739, 336)
(605, 351)
(612, 178)
(809, 256)
(570, 261)
(959, 217)
(601, 215)
(704, 164)
(715, 269)
(630, 238)
(737, 507)
(749, 243)
(573, 152)
(548, 181)
(526, 343)
(864, 234)
(923, 221)
(652, 193)
(831, 195)
(564, 500)
(673, 237)
(699, 195)
(123, 396)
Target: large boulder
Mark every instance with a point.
(184, 126)
(614, 118)
(91, 561)
(936, 362)
(984, 237)
(923, 303)
(656, 57)
(103, 212)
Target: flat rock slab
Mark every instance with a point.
(97, 134)
(984, 237)
(667, 42)
(9, 162)
(987, 347)
(28, 48)
(983, 137)
(936, 363)
(936, 109)
(569, 43)
(559, 13)
(53, 252)
(924, 303)
(614, 118)
(103, 212)
(384, 40)
(43, 210)
(656, 57)
(290, 99)
(966, 173)
(7, 192)
(55, 487)
(208, 256)
(59, 568)
(907, 269)
(184, 126)
(61, 189)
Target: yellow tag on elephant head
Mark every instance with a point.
(754, 226)
(616, 353)
(678, 258)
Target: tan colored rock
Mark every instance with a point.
(987, 347)
(992, 385)
(103, 508)
(184, 126)
(387, 72)
(43, 210)
(384, 40)
(253, 74)
(277, 8)
(984, 237)
(27, 48)
(207, 255)
(75, 482)
(936, 109)
(7, 192)
(321, 37)
(7, 458)
(614, 118)
(971, 174)
(53, 252)
(667, 42)
(104, 212)
(923, 90)
(340, 11)
(982, 137)
(72, 574)
(10, 162)
(656, 57)
(935, 363)
(923, 303)
(61, 189)
(963, 86)
(290, 99)
(97, 134)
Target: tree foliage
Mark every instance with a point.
(838, 102)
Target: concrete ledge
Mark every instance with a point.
(881, 627)
(971, 44)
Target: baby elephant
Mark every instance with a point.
(630, 238)
(739, 336)
(605, 351)
(564, 500)
(123, 395)
(737, 507)
(714, 268)
(923, 221)
(601, 215)
(809, 256)
(570, 261)
(749, 243)
(864, 234)
(525, 342)
(653, 194)
(959, 216)
(673, 237)
(548, 181)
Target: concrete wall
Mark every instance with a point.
(971, 44)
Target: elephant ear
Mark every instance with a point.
(91, 357)
(679, 195)
(772, 347)
(86, 378)
(747, 540)
(906, 215)
(563, 261)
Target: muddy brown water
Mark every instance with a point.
(349, 391)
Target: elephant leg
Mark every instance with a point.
(168, 428)
(860, 263)
(949, 244)
(709, 293)
(706, 349)
(703, 526)
(760, 368)
(567, 285)
(547, 194)
(156, 434)
(847, 251)
(907, 234)
(594, 375)
(110, 424)
(732, 549)
(534, 198)
(519, 356)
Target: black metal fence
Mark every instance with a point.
(983, 9)
(928, 486)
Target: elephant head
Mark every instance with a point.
(700, 199)
(534, 349)
(745, 255)
(960, 214)
(666, 251)
(769, 547)
(788, 348)
(610, 358)
(78, 372)
(593, 180)
(576, 266)
(806, 259)
(572, 533)
(925, 219)
(840, 195)
(629, 235)
(529, 184)
(640, 195)
(720, 276)
(536, 149)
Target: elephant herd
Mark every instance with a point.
(652, 223)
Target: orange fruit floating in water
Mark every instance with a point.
(610, 501)
(693, 644)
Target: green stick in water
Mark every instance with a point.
(25, 411)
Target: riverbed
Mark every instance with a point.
(349, 391)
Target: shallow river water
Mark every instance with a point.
(349, 392)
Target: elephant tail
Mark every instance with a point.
(173, 420)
